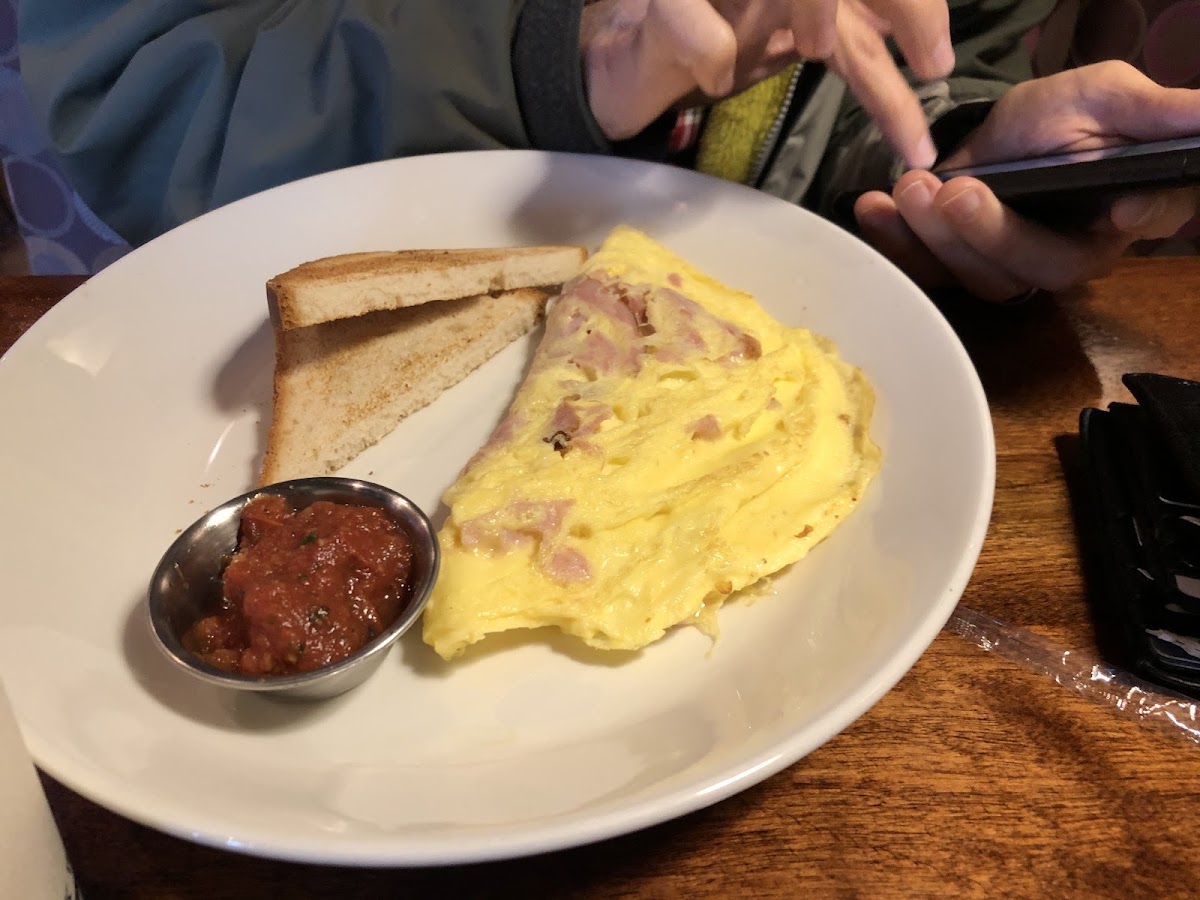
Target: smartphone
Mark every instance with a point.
(1077, 186)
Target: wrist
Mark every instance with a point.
(601, 30)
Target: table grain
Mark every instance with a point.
(974, 777)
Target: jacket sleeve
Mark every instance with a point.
(164, 109)
(989, 58)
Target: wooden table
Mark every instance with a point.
(973, 777)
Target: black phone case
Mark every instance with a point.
(1172, 168)
(1141, 463)
(1076, 192)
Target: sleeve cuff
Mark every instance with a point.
(952, 127)
(550, 90)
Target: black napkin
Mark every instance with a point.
(1141, 528)
(1174, 406)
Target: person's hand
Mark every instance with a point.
(641, 57)
(958, 232)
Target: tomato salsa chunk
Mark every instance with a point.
(305, 588)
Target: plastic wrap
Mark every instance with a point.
(1124, 693)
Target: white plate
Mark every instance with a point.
(142, 399)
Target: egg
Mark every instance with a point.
(671, 445)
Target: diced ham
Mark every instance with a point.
(596, 416)
(572, 421)
(686, 337)
(568, 565)
(564, 320)
(685, 306)
(566, 418)
(638, 306)
(635, 302)
(707, 428)
(613, 310)
(682, 322)
(597, 305)
(669, 354)
(520, 522)
(747, 346)
(563, 323)
(586, 288)
(678, 338)
(598, 356)
(678, 306)
(525, 522)
(619, 322)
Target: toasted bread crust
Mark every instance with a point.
(353, 284)
(341, 386)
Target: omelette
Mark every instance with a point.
(671, 445)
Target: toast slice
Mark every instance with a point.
(353, 284)
(342, 386)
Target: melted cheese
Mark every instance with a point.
(672, 444)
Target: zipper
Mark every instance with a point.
(768, 145)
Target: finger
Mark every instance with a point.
(779, 53)
(980, 274)
(925, 40)
(1031, 253)
(814, 26)
(1154, 215)
(862, 59)
(884, 229)
(922, 31)
(692, 34)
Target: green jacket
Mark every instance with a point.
(164, 109)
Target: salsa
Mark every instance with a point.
(305, 588)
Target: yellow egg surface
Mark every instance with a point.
(671, 444)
